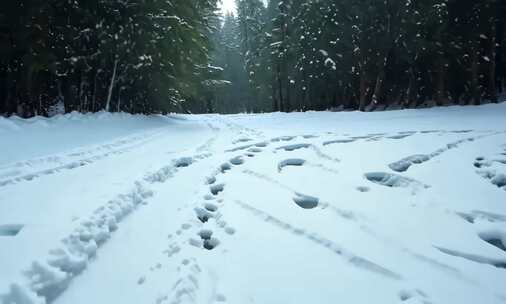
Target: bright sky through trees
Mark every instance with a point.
(228, 6)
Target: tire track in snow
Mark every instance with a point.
(208, 144)
(115, 148)
(318, 151)
(404, 164)
(351, 258)
(46, 278)
(350, 215)
(346, 214)
(492, 169)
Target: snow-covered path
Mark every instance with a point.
(391, 207)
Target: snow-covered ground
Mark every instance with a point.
(390, 207)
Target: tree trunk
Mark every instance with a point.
(378, 88)
(362, 92)
(408, 98)
(4, 87)
(94, 97)
(288, 105)
(440, 83)
(280, 87)
(68, 97)
(492, 90)
(111, 86)
(475, 89)
(118, 108)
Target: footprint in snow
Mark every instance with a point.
(495, 238)
(211, 207)
(291, 162)
(254, 150)
(283, 138)
(499, 263)
(306, 201)
(392, 180)
(237, 161)
(405, 295)
(338, 141)
(10, 230)
(225, 167)
(474, 215)
(203, 215)
(208, 241)
(294, 147)
(241, 140)
(363, 189)
(216, 188)
(404, 164)
(183, 162)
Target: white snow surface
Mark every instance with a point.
(319, 207)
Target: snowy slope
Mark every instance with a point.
(391, 207)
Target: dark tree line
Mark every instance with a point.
(153, 56)
(129, 55)
(366, 55)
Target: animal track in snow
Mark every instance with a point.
(208, 241)
(338, 141)
(401, 135)
(363, 189)
(167, 172)
(211, 207)
(495, 238)
(205, 234)
(499, 263)
(183, 162)
(294, 147)
(393, 180)
(211, 180)
(291, 162)
(255, 150)
(491, 173)
(404, 164)
(229, 230)
(220, 298)
(462, 131)
(319, 153)
(346, 214)
(497, 179)
(407, 295)
(186, 287)
(242, 140)
(225, 167)
(211, 243)
(236, 161)
(10, 230)
(283, 138)
(477, 214)
(245, 147)
(310, 136)
(203, 214)
(351, 258)
(306, 201)
(216, 188)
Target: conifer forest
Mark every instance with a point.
(159, 56)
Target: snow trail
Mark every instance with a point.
(239, 208)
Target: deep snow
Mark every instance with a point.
(404, 206)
